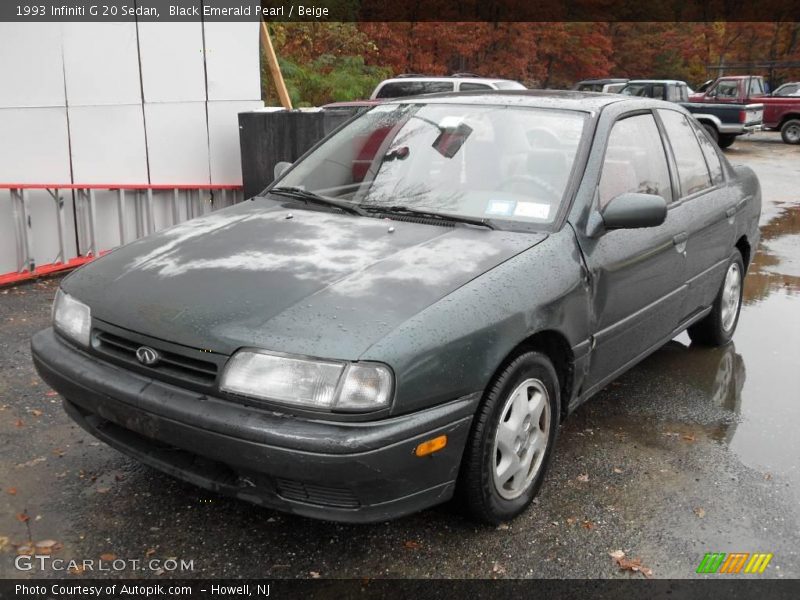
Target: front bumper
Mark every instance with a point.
(353, 471)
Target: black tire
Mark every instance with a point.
(711, 330)
(477, 489)
(790, 131)
(726, 140)
(712, 131)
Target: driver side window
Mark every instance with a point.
(635, 160)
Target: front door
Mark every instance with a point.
(637, 274)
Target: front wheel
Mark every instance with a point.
(790, 131)
(512, 440)
(718, 326)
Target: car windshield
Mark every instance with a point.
(499, 163)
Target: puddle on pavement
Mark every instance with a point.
(759, 377)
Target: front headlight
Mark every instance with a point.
(319, 384)
(72, 318)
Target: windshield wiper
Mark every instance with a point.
(424, 214)
(312, 198)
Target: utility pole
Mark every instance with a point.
(274, 68)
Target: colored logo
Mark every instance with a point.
(735, 562)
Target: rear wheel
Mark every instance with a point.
(712, 131)
(790, 131)
(512, 440)
(718, 326)
(725, 140)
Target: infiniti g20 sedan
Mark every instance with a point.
(409, 311)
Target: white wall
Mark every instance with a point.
(118, 103)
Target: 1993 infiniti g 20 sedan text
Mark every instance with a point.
(410, 310)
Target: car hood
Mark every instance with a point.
(316, 282)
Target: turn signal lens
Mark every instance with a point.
(431, 446)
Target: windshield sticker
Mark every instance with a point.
(500, 208)
(534, 210)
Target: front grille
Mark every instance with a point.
(316, 494)
(173, 364)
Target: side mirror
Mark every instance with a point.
(280, 168)
(633, 210)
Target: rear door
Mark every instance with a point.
(637, 274)
(708, 204)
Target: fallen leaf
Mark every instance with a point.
(47, 546)
(588, 525)
(688, 437)
(571, 520)
(36, 412)
(23, 517)
(767, 476)
(103, 490)
(617, 471)
(150, 552)
(314, 575)
(20, 423)
(31, 462)
(498, 568)
(700, 511)
(411, 545)
(108, 556)
(4, 541)
(77, 569)
(12, 491)
(635, 565)
(50, 393)
(25, 550)
(58, 452)
(583, 478)
(503, 527)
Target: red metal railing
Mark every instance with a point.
(86, 218)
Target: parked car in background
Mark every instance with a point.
(410, 311)
(723, 123)
(609, 86)
(415, 85)
(780, 112)
(788, 89)
(670, 90)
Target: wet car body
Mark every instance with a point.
(444, 306)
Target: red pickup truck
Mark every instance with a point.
(780, 112)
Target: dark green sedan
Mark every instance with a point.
(409, 311)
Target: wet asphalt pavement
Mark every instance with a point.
(695, 450)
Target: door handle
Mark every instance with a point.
(731, 211)
(681, 238)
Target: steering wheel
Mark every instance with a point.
(550, 193)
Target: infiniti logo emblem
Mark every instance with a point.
(147, 356)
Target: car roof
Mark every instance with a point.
(604, 81)
(564, 99)
(677, 81)
(444, 78)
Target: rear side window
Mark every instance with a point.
(635, 160)
(399, 89)
(726, 89)
(692, 169)
(709, 151)
(468, 86)
(756, 87)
